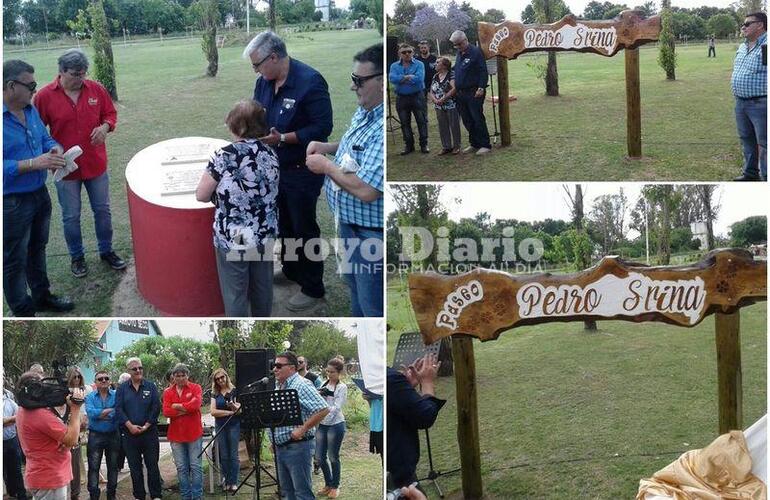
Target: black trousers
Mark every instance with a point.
(298, 192)
(471, 110)
(406, 106)
(144, 446)
(14, 482)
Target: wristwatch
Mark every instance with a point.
(283, 138)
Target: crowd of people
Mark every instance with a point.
(264, 185)
(455, 94)
(119, 422)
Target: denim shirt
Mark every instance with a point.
(397, 73)
(94, 407)
(24, 143)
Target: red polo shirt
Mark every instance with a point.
(72, 123)
(187, 427)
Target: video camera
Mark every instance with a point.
(48, 392)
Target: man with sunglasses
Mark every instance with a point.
(137, 406)
(298, 110)
(28, 153)
(294, 445)
(749, 85)
(79, 112)
(354, 185)
(103, 436)
(408, 78)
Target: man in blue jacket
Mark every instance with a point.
(28, 153)
(298, 110)
(408, 78)
(103, 436)
(471, 81)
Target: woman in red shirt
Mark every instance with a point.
(182, 405)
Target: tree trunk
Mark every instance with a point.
(664, 246)
(445, 356)
(271, 14)
(212, 53)
(552, 76)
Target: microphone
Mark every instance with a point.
(263, 380)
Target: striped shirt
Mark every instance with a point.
(364, 142)
(749, 74)
(310, 401)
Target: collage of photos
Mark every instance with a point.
(384, 249)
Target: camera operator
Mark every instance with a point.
(46, 442)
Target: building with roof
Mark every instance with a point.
(110, 338)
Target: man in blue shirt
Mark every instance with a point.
(354, 185)
(28, 152)
(137, 406)
(408, 78)
(471, 81)
(294, 445)
(14, 481)
(749, 85)
(103, 436)
(298, 110)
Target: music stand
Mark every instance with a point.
(409, 349)
(268, 410)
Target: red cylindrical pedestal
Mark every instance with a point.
(172, 233)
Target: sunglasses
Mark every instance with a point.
(78, 376)
(103, 379)
(30, 86)
(257, 65)
(281, 365)
(359, 81)
(749, 23)
(221, 377)
(406, 51)
(137, 368)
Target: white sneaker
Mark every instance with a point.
(469, 149)
(301, 302)
(482, 151)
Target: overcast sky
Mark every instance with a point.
(513, 9)
(529, 201)
(200, 329)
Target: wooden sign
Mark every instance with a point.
(511, 39)
(484, 303)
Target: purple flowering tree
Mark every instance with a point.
(438, 22)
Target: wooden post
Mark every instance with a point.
(633, 105)
(729, 375)
(502, 101)
(467, 416)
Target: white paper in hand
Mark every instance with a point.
(71, 154)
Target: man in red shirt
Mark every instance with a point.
(182, 405)
(79, 112)
(46, 442)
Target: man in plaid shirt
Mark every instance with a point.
(294, 445)
(749, 83)
(354, 183)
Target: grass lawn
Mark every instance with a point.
(688, 126)
(568, 414)
(164, 94)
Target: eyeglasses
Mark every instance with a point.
(221, 377)
(31, 86)
(257, 65)
(281, 365)
(359, 80)
(103, 379)
(406, 51)
(78, 376)
(749, 23)
(77, 74)
(137, 368)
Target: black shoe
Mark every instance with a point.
(745, 178)
(78, 267)
(406, 151)
(424, 150)
(53, 303)
(113, 260)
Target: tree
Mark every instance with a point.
(28, 342)
(722, 25)
(104, 66)
(494, 16)
(11, 12)
(579, 243)
(548, 11)
(321, 341)
(647, 8)
(209, 20)
(474, 15)
(689, 27)
(160, 354)
(667, 53)
(419, 205)
(404, 12)
(665, 201)
(597, 11)
(375, 11)
(607, 219)
(709, 210)
(430, 25)
(749, 231)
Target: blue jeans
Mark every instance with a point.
(189, 468)
(98, 190)
(364, 268)
(471, 110)
(295, 464)
(228, 451)
(26, 220)
(107, 444)
(751, 118)
(14, 482)
(328, 443)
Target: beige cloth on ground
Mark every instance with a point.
(722, 470)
